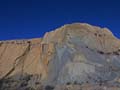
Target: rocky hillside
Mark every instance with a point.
(75, 56)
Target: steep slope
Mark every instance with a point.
(72, 54)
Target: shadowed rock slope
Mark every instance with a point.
(75, 56)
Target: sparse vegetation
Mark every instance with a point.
(48, 87)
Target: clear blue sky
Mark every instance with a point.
(32, 18)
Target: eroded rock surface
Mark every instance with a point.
(75, 55)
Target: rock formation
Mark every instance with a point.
(77, 56)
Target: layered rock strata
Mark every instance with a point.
(76, 53)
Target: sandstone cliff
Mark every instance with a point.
(72, 54)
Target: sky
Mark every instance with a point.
(23, 19)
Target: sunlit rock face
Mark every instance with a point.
(73, 54)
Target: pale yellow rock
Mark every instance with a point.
(33, 56)
(79, 58)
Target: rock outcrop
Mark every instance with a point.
(75, 54)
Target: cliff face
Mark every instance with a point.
(72, 54)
